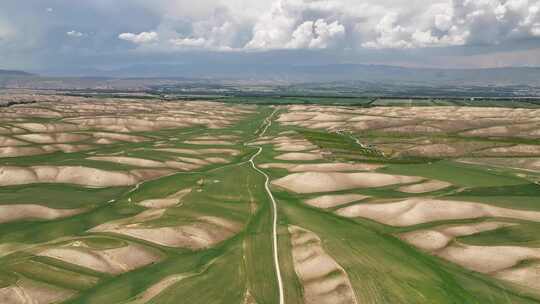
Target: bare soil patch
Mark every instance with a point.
(416, 211)
(48, 127)
(323, 279)
(52, 138)
(131, 161)
(231, 152)
(8, 141)
(84, 176)
(325, 167)
(119, 137)
(204, 232)
(209, 142)
(440, 237)
(488, 259)
(428, 186)
(330, 201)
(113, 261)
(27, 291)
(167, 202)
(527, 276)
(299, 156)
(11, 213)
(314, 182)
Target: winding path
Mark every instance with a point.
(268, 123)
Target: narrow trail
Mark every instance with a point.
(268, 123)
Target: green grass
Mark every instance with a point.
(258, 257)
(7, 279)
(224, 274)
(342, 146)
(381, 268)
(53, 275)
(456, 173)
(523, 234)
(103, 243)
(58, 196)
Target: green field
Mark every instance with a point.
(214, 242)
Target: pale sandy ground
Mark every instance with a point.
(52, 138)
(181, 165)
(169, 201)
(326, 167)
(210, 142)
(157, 288)
(121, 115)
(488, 259)
(48, 127)
(416, 211)
(119, 137)
(290, 132)
(231, 152)
(411, 129)
(104, 141)
(248, 298)
(192, 160)
(323, 279)
(518, 150)
(417, 120)
(12, 130)
(490, 131)
(45, 149)
(299, 156)
(216, 160)
(83, 176)
(8, 141)
(204, 232)
(133, 221)
(129, 124)
(294, 117)
(526, 276)
(21, 151)
(130, 161)
(26, 291)
(434, 150)
(11, 213)
(517, 163)
(313, 182)
(184, 163)
(294, 147)
(330, 201)
(438, 238)
(427, 186)
(112, 261)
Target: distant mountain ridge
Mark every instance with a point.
(529, 76)
(14, 73)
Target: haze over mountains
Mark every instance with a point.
(319, 73)
(342, 79)
(13, 73)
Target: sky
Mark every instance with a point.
(103, 34)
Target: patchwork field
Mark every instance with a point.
(118, 200)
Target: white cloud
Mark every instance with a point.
(141, 38)
(188, 42)
(316, 35)
(299, 24)
(74, 34)
(456, 22)
(346, 24)
(49, 9)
